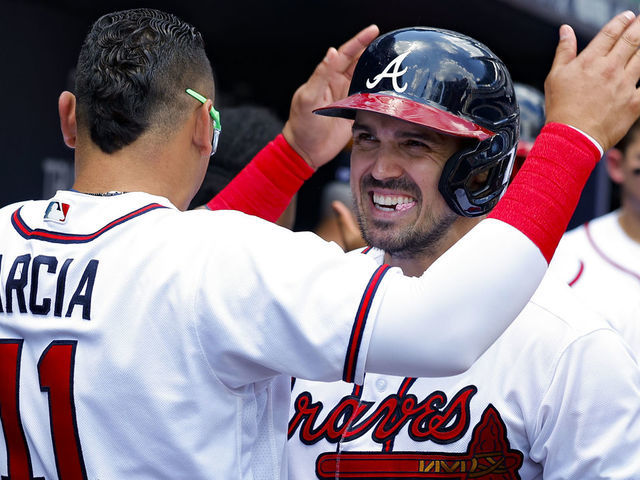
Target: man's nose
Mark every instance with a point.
(386, 166)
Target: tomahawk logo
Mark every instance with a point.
(391, 71)
(488, 457)
(56, 212)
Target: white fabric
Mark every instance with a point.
(555, 397)
(464, 296)
(593, 140)
(605, 272)
(196, 321)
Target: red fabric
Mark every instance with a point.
(544, 194)
(267, 184)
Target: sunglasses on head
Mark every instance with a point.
(215, 116)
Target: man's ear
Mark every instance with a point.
(67, 112)
(614, 159)
(203, 132)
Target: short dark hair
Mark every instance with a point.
(246, 129)
(629, 137)
(132, 71)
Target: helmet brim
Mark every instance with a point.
(408, 110)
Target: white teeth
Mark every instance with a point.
(391, 200)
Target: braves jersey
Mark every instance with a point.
(137, 341)
(601, 263)
(555, 397)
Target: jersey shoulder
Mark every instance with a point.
(556, 304)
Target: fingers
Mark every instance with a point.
(352, 48)
(628, 43)
(609, 35)
(347, 55)
(567, 47)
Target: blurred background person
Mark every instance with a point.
(337, 221)
(247, 129)
(531, 103)
(600, 259)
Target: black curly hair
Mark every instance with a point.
(132, 71)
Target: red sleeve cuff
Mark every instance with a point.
(544, 194)
(267, 184)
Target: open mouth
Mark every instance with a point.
(390, 203)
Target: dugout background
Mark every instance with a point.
(261, 51)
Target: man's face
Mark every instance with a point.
(395, 169)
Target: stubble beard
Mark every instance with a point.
(423, 238)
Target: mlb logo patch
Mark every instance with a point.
(56, 212)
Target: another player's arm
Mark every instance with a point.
(594, 92)
(267, 184)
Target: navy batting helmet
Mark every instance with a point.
(453, 84)
(532, 116)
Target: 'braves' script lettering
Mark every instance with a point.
(433, 418)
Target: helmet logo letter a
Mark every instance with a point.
(393, 75)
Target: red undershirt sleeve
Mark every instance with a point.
(544, 194)
(539, 202)
(267, 184)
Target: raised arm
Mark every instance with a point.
(594, 92)
(266, 185)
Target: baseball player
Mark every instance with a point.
(510, 414)
(600, 260)
(532, 118)
(140, 341)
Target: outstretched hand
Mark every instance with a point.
(595, 91)
(319, 139)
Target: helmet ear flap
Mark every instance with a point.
(474, 178)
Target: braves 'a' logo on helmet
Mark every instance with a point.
(394, 74)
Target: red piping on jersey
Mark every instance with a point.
(56, 237)
(357, 390)
(605, 258)
(360, 322)
(579, 274)
(402, 391)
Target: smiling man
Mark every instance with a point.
(434, 140)
(399, 208)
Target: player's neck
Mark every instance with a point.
(411, 266)
(630, 221)
(134, 168)
(415, 264)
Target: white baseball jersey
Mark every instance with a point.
(602, 265)
(556, 397)
(137, 341)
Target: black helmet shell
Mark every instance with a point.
(453, 84)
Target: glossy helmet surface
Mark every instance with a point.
(532, 116)
(455, 85)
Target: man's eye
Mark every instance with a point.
(416, 144)
(363, 137)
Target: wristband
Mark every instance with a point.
(267, 184)
(544, 194)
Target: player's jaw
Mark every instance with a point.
(394, 216)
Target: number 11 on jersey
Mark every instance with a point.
(55, 372)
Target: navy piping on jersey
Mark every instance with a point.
(360, 322)
(57, 237)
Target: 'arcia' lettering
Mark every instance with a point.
(38, 285)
